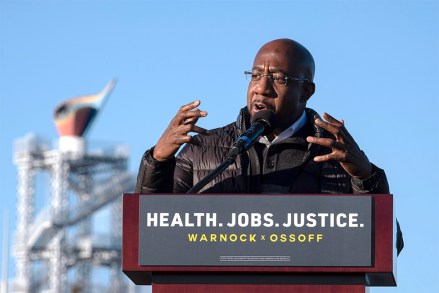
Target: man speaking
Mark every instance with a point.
(301, 153)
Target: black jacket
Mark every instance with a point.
(207, 151)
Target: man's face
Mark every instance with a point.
(286, 101)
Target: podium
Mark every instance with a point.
(259, 243)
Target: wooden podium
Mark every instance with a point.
(176, 277)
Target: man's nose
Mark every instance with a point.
(264, 86)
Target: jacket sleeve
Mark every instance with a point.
(375, 183)
(155, 176)
(170, 176)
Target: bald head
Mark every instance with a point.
(299, 58)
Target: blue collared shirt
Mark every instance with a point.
(290, 131)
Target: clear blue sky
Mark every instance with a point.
(377, 67)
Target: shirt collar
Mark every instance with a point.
(290, 131)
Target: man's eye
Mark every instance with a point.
(278, 77)
(256, 75)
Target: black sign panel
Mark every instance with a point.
(263, 230)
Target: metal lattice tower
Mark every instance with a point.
(56, 249)
(60, 235)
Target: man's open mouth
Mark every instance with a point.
(259, 106)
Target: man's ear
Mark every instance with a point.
(309, 89)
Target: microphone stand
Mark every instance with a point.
(261, 123)
(230, 159)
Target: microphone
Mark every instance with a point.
(261, 124)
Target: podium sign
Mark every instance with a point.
(242, 230)
(259, 242)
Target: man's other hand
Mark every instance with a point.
(344, 148)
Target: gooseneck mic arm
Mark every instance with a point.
(261, 125)
(223, 166)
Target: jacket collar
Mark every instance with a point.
(243, 121)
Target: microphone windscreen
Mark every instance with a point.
(266, 117)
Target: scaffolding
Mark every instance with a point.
(55, 249)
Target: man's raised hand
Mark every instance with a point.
(344, 148)
(177, 131)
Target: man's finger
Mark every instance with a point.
(332, 120)
(191, 120)
(340, 123)
(334, 129)
(334, 156)
(323, 158)
(193, 116)
(179, 140)
(190, 106)
(182, 117)
(199, 129)
(185, 129)
(327, 142)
